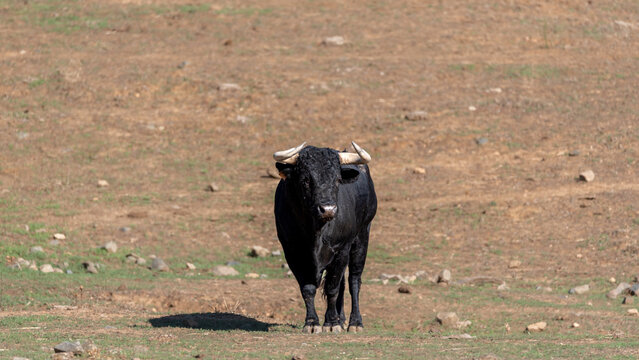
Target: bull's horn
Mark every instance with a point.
(362, 157)
(288, 156)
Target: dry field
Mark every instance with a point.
(162, 98)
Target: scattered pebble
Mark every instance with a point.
(612, 280)
(68, 346)
(574, 153)
(502, 287)
(135, 259)
(125, 229)
(481, 141)
(419, 170)
(252, 275)
(587, 176)
(221, 270)
(334, 41)
(514, 264)
(258, 251)
(46, 268)
(416, 116)
(582, 289)
(495, 90)
(459, 337)
(448, 319)
(159, 265)
(575, 325)
(110, 246)
(242, 119)
(103, 183)
(612, 294)
(276, 253)
(229, 87)
(404, 289)
(444, 276)
(472, 108)
(59, 236)
(90, 267)
(633, 312)
(36, 249)
(190, 266)
(182, 65)
(536, 327)
(213, 187)
(54, 242)
(544, 288)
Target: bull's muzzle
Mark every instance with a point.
(327, 212)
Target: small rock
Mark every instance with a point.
(285, 266)
(263, 276)
(54, 242)
(472, 108)
(125, 229)
(416, 116)
(110, 246)
(69, 347)
(182, 65)
(481, 141)
(502, 287)
(213, 187)
(276, 253)
(633, 312)
(612, 294)
(103, 183)
(46, 268)
(444, 276)
(22, 135)
(221, 270)
(232, 263)
(404, 289)
(574, 153)
(33, 266)
(419, 170)
(19, 358)
(575, 325)
(258, 251)
(536, 327)
(587, 176)
(242, 119)
(229, 87)
(62, 356)
(334, 41)
(36, 249)
(582, 289)
(544, 288)
(464, 324)
(159, 265)
(514, 264)
(459, 337)
(59, 236)
(135, 259)
(495, 90)
(252, 275)
(190, 266)
(90, 267)
(58, 270)
(448, 319)
(612, 280)
(69, 272)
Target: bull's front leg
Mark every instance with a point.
(334, 290)
(311, 324)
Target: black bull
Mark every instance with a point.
(323, 213)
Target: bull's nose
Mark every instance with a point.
(327, 211)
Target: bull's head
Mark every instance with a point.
(316, 174)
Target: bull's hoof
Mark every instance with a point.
(312, 329)
(355, 329)
(333, 328)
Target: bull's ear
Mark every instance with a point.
(284, 169)
(349, 175)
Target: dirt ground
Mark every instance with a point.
(519, 97)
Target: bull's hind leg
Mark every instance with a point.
(334, 291)
(355, 268)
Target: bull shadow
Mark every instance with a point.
(212, 321)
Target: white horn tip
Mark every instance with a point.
(361, 152)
